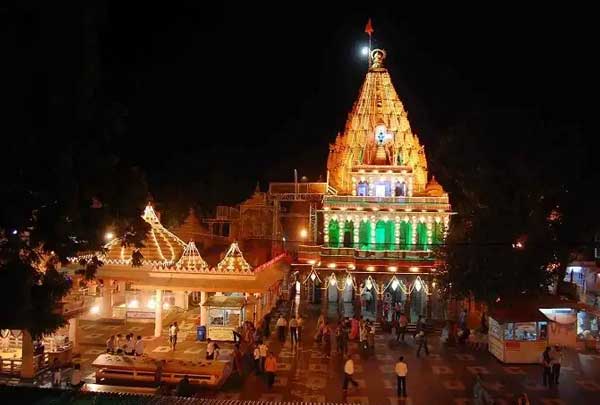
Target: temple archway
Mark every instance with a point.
(364, 234)
(368, 300)
(380, 231)
(405, 237)
(334, 233)
(348, 234)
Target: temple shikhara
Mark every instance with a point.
(383, 215)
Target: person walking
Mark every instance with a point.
(270, 369)
(173, 330)
(401, 372)
(556, 362)
(326, 340)
(300, 323)
(294, 331)
(344, 340)
(422, 339)
(348, 373)
(264, 350)
(402, 324)
(281, 325)
(256, 356)
(547, 377)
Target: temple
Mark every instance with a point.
(382, 216)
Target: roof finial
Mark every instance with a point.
(377, 58)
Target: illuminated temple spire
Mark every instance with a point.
(191, 260)
(377, 132)
(234, 261)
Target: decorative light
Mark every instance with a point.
(368, 284)
(313, 276)
(414, 269)
(348, 280)
(166, 305)
(151, 303)
(433, 283)
(14, 232)
(392, 268)
(283, 239)
(303, 233)
(332, 280)
(395, 284)
(95, 310)
(352, 267)
(364, 51)
(331, 265)
(109, 236)
(133, 303)
(311, 261)
(370, 268)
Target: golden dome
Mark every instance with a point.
(434, 189)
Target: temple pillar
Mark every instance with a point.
(181, 299)
(397, 233)
(158, 313)
(429, 232)
(326, 229)
(413, 224)
(73, 324)
(373, 236)
(107, 298)
(203, 310)
(27, 367)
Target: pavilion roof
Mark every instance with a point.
(234, 261)
(191, 260)
(191, 229)
(161, 246)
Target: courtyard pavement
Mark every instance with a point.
(446, 376)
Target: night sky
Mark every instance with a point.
(210, 100)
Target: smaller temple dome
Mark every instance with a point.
(434, 189)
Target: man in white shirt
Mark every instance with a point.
(348, 372)
(401, 371)
(173, 329)
(281, 325)
(139, 346)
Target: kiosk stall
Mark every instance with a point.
(225, 314)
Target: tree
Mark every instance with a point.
(520, 216)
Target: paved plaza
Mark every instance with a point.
(445, 376)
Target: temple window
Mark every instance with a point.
(400, 189)
(405, 236)
(334, 233)
(362, 189)
(348, 234)
(364, 234)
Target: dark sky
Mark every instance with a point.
(215, 98)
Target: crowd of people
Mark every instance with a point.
(117, 344)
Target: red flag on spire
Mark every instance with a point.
(369, 28)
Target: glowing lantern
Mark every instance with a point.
(395, 284)
(418, 285)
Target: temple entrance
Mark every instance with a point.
(332, 300)
(418, 303)
(394, 301)
(348, 301)
(368, 301)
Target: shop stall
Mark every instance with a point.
(520, 331)
(225, 314)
